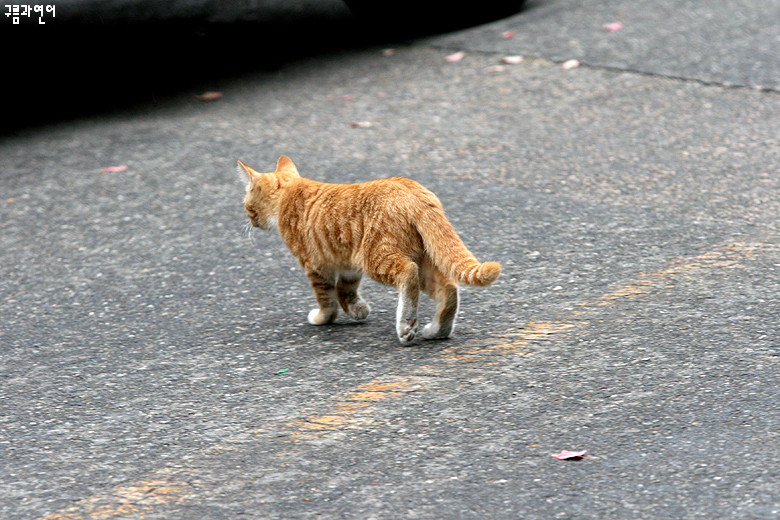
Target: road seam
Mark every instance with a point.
(584, 63)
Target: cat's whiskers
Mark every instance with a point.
(248, 231)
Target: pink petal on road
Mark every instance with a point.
(570, 64)
(114, 169)
(613, 27)
(512, 60)
(564, 455)
(508, 35)
(209, 96)
(456, 56)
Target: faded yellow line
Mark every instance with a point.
(725, 257)
(512, 341)
(355, 409)
(134, 499)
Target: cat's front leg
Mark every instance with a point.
(325, 292)
(349, 297)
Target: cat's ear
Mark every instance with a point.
(247, 174)
(285, 165)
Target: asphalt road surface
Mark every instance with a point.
(156, 362)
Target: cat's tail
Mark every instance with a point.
(482, 274)
(450, 254)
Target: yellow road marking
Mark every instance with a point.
(341, 415)
(725, 257)
(133, 499)
(345, 412)
(353, 409)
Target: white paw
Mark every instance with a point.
(434, 331)
(430, 331)
(359, 310)
(407, 331)
(317, 317)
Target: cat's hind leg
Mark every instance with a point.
(443, 323)
(408, 299)
(349, 296)
(445, 291)
(400, 272)
(325, 291)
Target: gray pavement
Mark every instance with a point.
(156, 363)
(726, 43)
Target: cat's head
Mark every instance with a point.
(263, 191)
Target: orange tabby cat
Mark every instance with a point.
(394, 230)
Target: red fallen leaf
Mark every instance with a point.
(508, 34)
(114, 169)
(456, 56)
(570, 455)
(613, 27)
(209, 96)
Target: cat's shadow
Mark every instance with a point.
(375, 336)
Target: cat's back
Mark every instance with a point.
(320, 208)
(392, 190)
(337, 225)
(397, 193)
